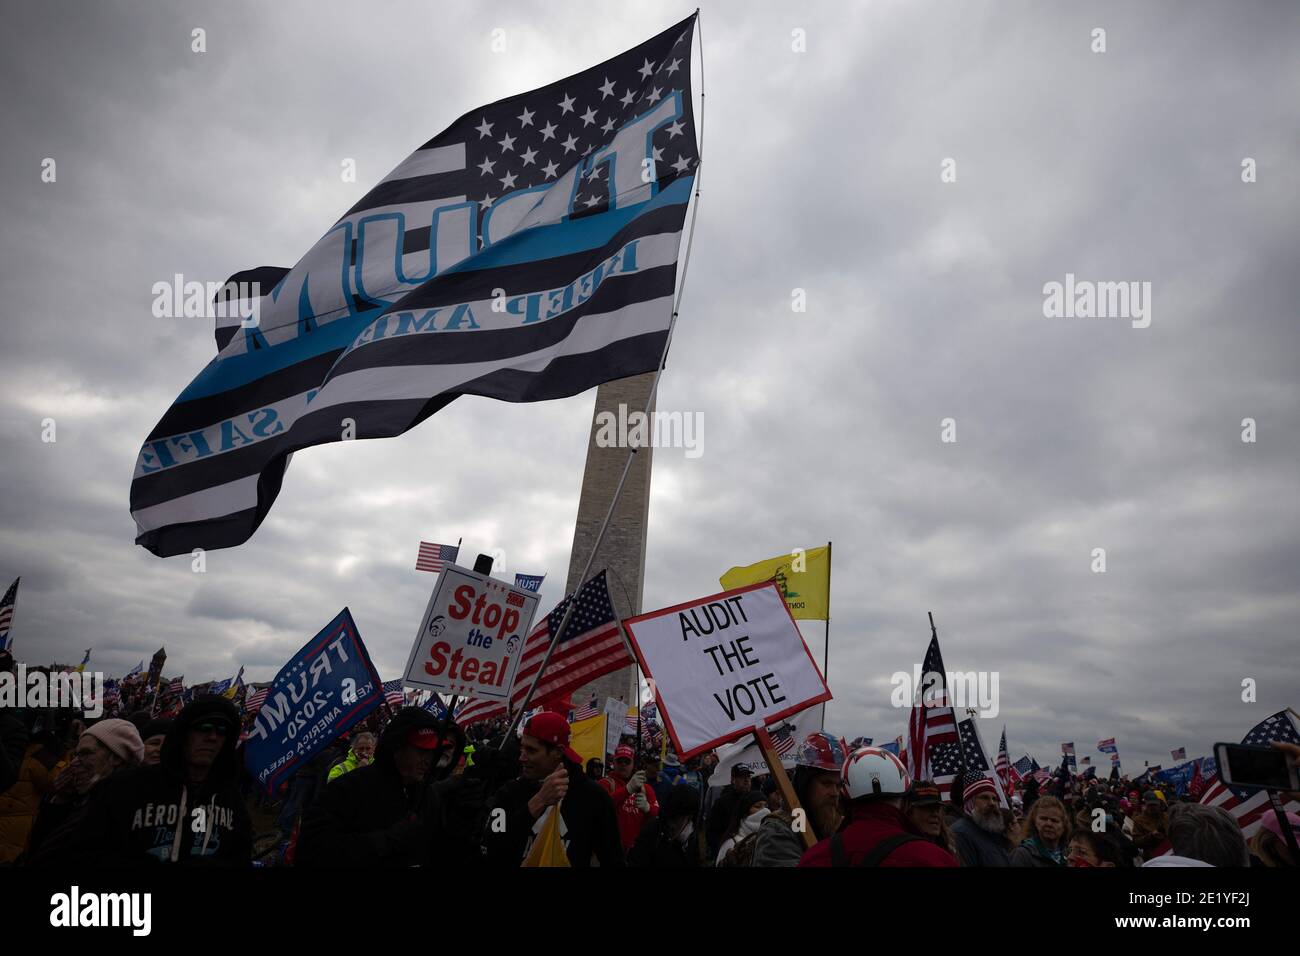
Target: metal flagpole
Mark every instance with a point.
(826, 647)
(627, 467)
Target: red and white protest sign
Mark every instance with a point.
(724, 664)
(471, 637)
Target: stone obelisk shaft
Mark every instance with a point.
(622, 552)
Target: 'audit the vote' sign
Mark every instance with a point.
(723, 664)
(471, 636)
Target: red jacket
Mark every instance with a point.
(630, 819)
(869, 823)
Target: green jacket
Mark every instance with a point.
(347, 765)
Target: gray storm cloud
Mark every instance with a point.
(822, 173)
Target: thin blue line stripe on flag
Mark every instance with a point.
(389, 317)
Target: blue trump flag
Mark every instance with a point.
(1180, 776)
(529, 582)
(327, 688)
(526, 253)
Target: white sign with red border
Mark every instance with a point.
(723, 664)
(472, 636)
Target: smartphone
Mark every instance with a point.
(1246, 766)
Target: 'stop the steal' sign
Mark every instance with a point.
(471, 637)
(723, 664)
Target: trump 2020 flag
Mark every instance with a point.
(528, 252)
(327, 688)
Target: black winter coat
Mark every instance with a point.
(654, 847)
(151, 815)
(369, 818)
(586, 810)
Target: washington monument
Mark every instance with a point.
(622, 552)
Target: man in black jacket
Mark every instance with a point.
(186, 809)
(670, 840)
(715, 831)
(391, 812)
(552, 774)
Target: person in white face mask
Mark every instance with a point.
(746, 817)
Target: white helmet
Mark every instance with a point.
(873, 772)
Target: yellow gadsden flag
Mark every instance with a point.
(804, 577)
(587, 737)
(548, 848)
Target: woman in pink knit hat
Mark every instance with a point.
(105, 748)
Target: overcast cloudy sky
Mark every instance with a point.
(822, 172)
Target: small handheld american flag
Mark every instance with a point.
(435, 557)
(394, 695)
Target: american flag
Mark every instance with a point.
(393, 694)
(171, 697)
(649, 728)
(783, 739)
(1025, 765)
(1179, 754)
(1067, 748)
(254, 701)
(947, 760)
(7, 614)
(930, 725)
(592, 646)
(434, 557)
(1107, 746)
(1249, 804)
(1004, 762)
(1042, 776)
(586, 711)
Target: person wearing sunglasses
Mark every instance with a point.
(185, 810)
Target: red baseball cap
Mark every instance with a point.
(426, 738)
(625, 751)
(553, 729)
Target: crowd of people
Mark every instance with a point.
(419, 790)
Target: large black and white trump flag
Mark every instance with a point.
(528, 252)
